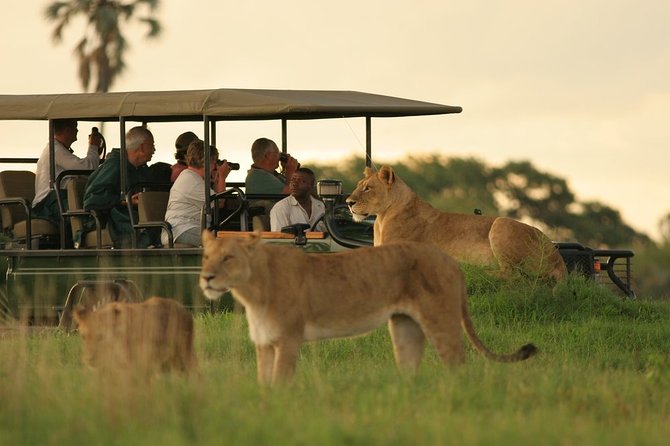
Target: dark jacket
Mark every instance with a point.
(103, 194)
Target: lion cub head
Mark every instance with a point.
(226, 262)
(153, 335)
(374, 193)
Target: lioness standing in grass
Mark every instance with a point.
(475, 239)
(156, 334)
(291, 297)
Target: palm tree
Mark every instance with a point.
(101, 50)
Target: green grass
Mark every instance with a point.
(602, 377)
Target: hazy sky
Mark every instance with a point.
(579, 88)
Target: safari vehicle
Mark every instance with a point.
(44, 276)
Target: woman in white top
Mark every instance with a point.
(187, 195)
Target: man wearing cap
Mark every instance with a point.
(181, 145)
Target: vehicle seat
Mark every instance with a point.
(151, 208)
(17, 190)
(259, 211)
(75, 211)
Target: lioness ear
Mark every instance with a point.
(386, 175)
(207, 236)
(367, 172)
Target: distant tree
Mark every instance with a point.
(523, 192)
(349, 171)
(596, 224)
(453, 184)
(664, 229)
(101, 51)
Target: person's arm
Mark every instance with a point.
(288, 169)
(220, 176)
(69, 161)
(103, 189)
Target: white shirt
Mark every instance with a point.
(187, 198)
(65, 160)
(289, 212)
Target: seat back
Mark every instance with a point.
(152, 205)
(75, 201)
(75, 188)
(151, 208)
(15, 184)
(259, 210)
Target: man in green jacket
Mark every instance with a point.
(103, 188)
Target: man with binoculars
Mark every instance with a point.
(263, 178)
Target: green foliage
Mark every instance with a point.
(652, 270)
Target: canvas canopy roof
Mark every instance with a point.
(218, 104)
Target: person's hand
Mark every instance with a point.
(289, 166)
(95, 139)
(135, 199)
(223, 169)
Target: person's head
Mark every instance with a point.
(302, 182)
(65, 131)
(139, 145)
(182, 143)
(195, 155)
(265, 153)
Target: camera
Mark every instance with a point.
(233, 166)
(283, 157)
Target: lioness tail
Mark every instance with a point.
(524, 352)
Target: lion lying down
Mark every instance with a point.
(156, 334)
(476, 239)
(291, 297)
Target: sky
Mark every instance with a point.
(581, 88)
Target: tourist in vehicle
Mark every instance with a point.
(263, 177)
(181, 146)
(187, 195)
(300, 206)
(45, 203)
(103, 188)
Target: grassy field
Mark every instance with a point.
(602, 377)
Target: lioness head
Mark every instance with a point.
(374, 193)
(102, 333)
(225, 263)
(153, 335)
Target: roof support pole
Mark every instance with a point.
(209, 132)
(284, 136)
(124, 157)
(368, 141)
(212, 133)
(52, 154)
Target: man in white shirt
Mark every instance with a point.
(45, 204)
(300, 206)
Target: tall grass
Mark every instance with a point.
(602, 377)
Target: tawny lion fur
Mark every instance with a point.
(291, 297)
(474, 239)
(156, 334)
